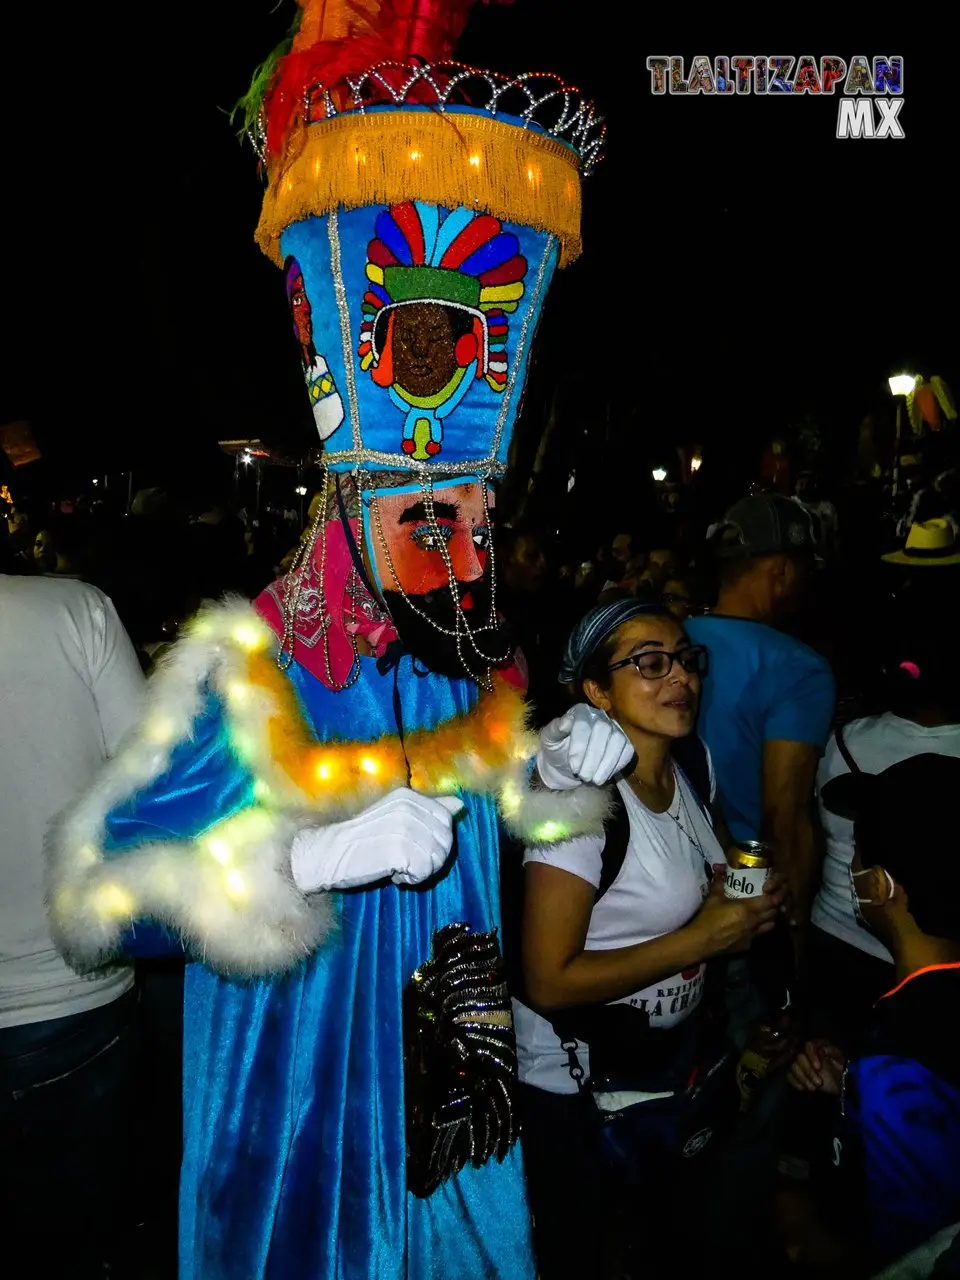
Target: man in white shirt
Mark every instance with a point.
(70, 688)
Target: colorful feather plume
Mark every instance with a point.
(335, 40)
(249, 108)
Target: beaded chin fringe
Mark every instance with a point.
(463, 633)
(445, 158)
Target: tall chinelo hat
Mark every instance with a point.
(418, 208)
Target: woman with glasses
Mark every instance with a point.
(630, 959)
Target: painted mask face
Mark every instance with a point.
(416, 542)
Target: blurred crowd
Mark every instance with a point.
(859, 581)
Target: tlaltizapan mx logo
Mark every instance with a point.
(871, 95)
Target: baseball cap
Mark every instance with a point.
(764, 525)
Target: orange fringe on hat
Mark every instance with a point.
(442, 760)
(452, 159)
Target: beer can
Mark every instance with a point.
(748, 865)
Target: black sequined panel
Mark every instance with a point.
(460, 1057)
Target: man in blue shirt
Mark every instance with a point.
(765, 713)
(767, 706)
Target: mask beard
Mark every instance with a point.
(437, 651)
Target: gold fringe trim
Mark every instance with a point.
(473, 751)
(353, 161)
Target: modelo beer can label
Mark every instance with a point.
(748, 866)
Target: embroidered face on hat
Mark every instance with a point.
(324, 398)
(441, 286)
(439, 310)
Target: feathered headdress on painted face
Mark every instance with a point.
(418, 208)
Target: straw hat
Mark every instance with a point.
(930, 542)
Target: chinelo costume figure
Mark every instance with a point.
(310, 808)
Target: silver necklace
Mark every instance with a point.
(681, 808)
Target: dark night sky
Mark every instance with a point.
(743, 266)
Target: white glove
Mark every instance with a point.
(585, 745)
(405, 837)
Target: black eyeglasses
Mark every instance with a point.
(654, 664)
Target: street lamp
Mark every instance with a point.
(901, 385)
(659, 474)
(696, 462)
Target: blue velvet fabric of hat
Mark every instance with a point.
(415, 324)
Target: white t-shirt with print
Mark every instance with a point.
(875, 742)
(663, 881)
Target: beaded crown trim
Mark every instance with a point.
(539, 99)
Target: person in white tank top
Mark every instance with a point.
(849, 968)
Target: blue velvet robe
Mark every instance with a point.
(294, 1145)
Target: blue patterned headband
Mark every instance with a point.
(593, 629)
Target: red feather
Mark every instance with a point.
(380, 255)
(408, 220)
(509, 273)
(406, 31)
(476, 233)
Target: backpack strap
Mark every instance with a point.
(690, 757)
(845, 751)
(616, 838)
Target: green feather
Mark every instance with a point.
(247, 110)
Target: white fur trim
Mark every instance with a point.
(243, 915)
(228, 894)
(538, 816)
